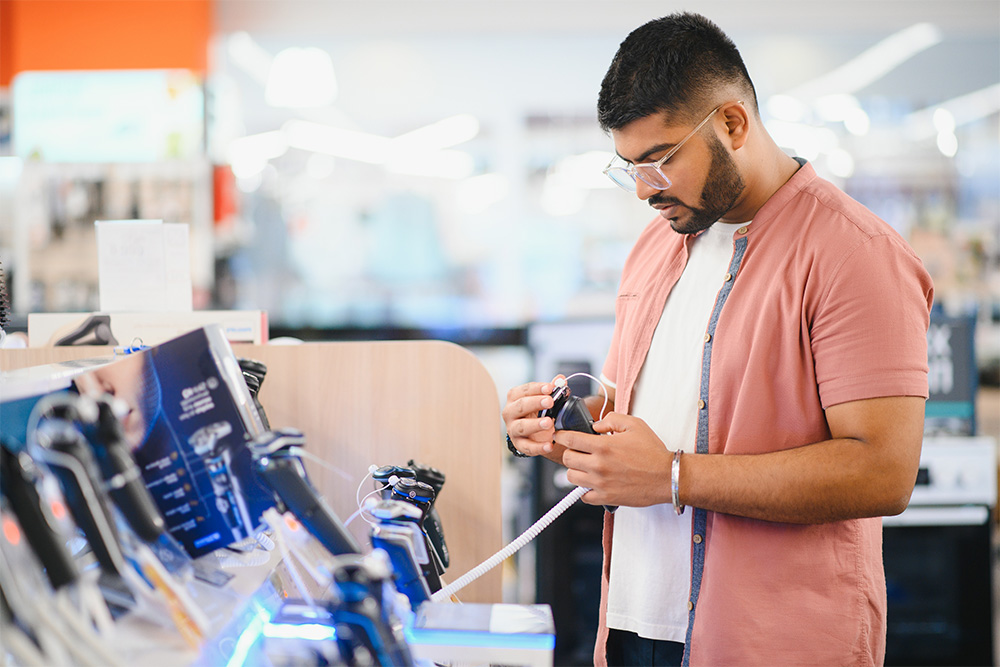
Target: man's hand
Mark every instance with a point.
(530, 434)
(625, 464)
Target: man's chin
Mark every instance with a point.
(679, 223)
(688, 224)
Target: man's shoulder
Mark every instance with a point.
(828, 211)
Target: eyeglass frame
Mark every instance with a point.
(633, 169)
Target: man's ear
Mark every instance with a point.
(737, 120)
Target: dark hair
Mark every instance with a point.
(674, 64)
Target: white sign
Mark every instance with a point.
(143, 266)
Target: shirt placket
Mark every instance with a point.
(700, 520)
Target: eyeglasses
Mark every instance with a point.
(624, 173)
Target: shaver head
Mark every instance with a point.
(386, 476)
(428, 475)
(568, 412)
(559, 396)
(382, 474)
(412, 491)
(254, 368)
(253, 383)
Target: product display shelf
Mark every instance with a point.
(379, 403)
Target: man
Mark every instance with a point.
(768, 368)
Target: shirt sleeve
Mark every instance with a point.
(869, 332)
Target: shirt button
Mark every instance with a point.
(708, 337)
(697, 539)
(729, 277)
(690, 605)
(701, 404)
(741, 230)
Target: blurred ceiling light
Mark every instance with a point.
(925, 123)
(786, 107)
(350, 144)
(373, 149)
(249, 56)
(320, 166)
(840, 163)
(947, 143)
(944, 120)
(806, 141)
(442, 134)
(477, 194)
(249, 155)
(583, 171)
(301, 78)
(843, 108)
(252, 183)
(873, 63)
(857, 122)
(437, 164)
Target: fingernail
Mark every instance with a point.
(547, 402)
(544, 422)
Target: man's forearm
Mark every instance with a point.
(826, 481)
(842, 478)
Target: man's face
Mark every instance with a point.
(126, 381)
(705, 180)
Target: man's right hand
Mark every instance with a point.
(531, 434)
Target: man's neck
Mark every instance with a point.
(764, 175)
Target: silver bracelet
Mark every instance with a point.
(675, 479)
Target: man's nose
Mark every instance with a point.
(644, 190)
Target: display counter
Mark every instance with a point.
(359, 405)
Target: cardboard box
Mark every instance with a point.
(190, 417)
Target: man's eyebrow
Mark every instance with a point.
(659, 148)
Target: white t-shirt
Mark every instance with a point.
(651, 549)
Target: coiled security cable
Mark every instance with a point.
(512, 548)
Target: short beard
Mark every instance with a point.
(723, 187)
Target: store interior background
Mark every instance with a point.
(432, 169)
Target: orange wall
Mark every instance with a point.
(103, 34)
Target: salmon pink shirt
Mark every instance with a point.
(824, 303)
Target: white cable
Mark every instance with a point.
(604, 390)
(512, 548)
(244, 545)
(361, 510)
(303, 453)
(246, 559)
(265, 542)
(357, 494)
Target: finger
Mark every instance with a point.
(614, 422)
(540, 430)
(529, 389)
(580, 442)
(526, 405)
(576, 478)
